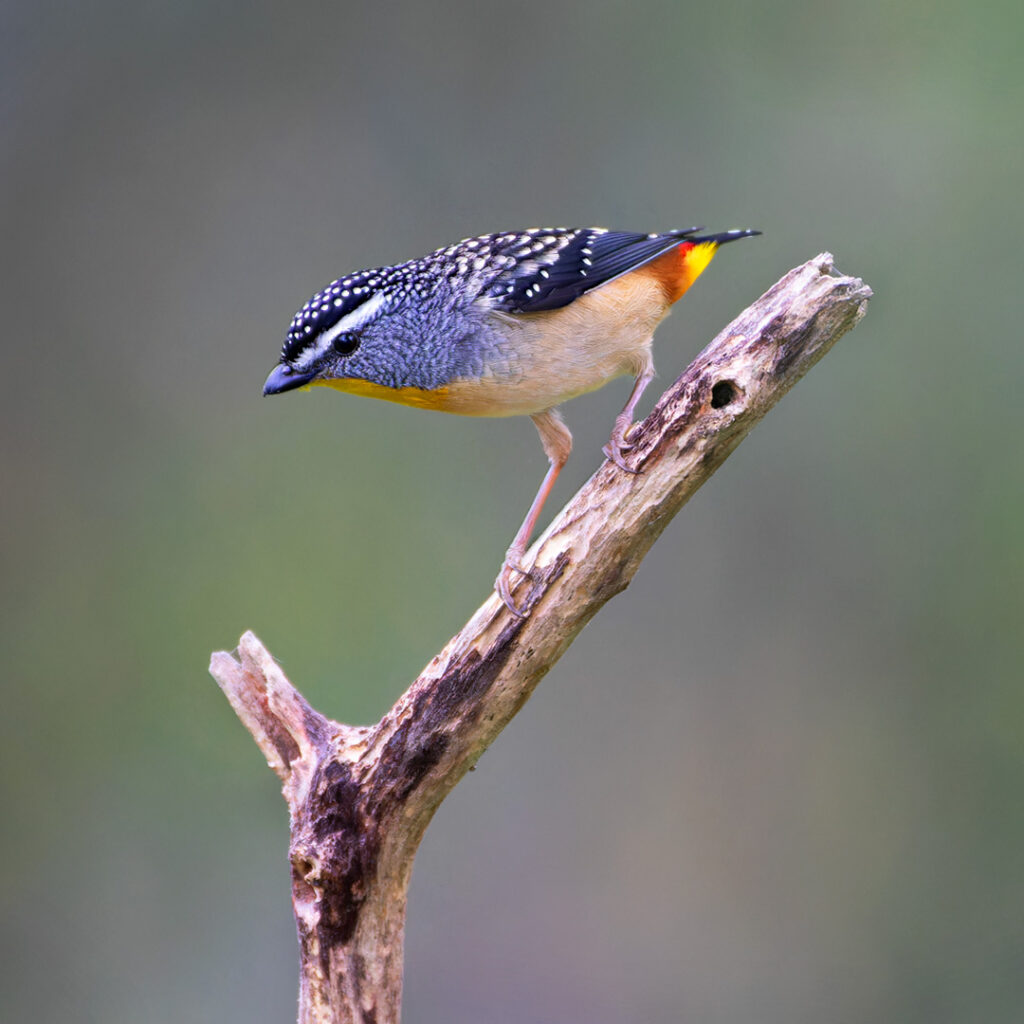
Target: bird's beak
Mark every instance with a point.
(284, 378)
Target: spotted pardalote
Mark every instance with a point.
(507, 324)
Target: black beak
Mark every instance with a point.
(284, 378)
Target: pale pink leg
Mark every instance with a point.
(619, 441)
(557, 442)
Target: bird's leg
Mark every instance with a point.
(557, 443)
(619, 441)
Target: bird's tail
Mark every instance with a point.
(683, 264)
(690, 235)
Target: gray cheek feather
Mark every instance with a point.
(428, 348)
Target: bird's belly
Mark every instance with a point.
(532, 386)
(548, 358)
(491, 396)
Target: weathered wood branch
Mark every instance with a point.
(361, 798)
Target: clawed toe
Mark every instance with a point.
(619, 444)
(615, 450)
(614, 453)
(503, 584)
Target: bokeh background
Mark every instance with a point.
(780, 779)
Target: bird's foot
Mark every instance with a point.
(503, 584)
(619, 444)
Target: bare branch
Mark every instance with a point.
(361, 798)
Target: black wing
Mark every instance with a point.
(592, 257)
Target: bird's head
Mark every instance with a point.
(336, 336)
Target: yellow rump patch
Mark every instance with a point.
(678, 268)
(696, 259)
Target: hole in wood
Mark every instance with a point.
(722, 394)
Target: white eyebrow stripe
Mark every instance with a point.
(359, 316)
(350, 322)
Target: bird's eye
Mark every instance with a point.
(346, 343)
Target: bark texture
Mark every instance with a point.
(360, 798)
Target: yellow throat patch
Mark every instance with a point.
(420, 398)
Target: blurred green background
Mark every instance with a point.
(780, 779)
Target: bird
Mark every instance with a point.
(507, 324)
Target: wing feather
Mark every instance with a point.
(592, 258)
